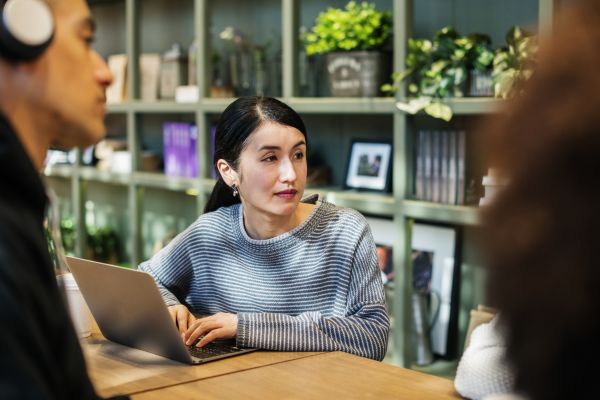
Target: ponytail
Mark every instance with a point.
(221, 196)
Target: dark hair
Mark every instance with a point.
(239, 120)
(543, 230)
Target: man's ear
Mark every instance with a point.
(227, 172)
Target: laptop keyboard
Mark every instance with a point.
(213, 349)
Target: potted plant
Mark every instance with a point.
(480, 61)
(439, 69)
(514, 63)
(353, 40)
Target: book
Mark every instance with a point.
(452, 167)
(444, 150)
(461, 171)
(170, 161)
(180, 149)
(419, 165)
(435, 166)
(427, 192)
(191, 170)
(117, 91)
(149, 76)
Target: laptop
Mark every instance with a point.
(129, 310)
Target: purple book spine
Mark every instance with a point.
(192, 151)
(181, 148)
(168, 153)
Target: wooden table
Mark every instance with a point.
(116, 369)
(322, 376)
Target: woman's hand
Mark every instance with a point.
(182, 317)
(218, 326)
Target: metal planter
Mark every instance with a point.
(357, 73)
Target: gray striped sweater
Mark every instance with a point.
(314, 288)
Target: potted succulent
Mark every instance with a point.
(514, 63)
(439, 69)
(353, 39)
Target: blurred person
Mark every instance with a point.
(543, 229)
(263, 264)
(52, 87)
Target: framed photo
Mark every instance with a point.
(386, 262)
(435, 270)
(369, 166)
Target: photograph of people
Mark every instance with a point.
(264, 265)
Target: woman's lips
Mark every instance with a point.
(287, 194)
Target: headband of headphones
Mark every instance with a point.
(26, 29)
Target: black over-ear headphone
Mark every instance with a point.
(26, 29)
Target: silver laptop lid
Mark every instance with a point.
(128, 308)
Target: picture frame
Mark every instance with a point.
(369, 165)
(435, 263)
(386, 262)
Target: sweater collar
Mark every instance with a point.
(286, 239)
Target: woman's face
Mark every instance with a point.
(272, 170)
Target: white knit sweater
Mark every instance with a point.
(482, 370)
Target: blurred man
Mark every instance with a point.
(52, 86)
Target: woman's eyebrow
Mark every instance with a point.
(273, 147)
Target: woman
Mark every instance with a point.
(542, 230)
(273, 271)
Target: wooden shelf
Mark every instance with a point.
(215, 106)
(340, 105)
(153, 107)
(162, 181)
(95, 175)
(369, 203)
(59, 170)
(310, 105)
(473, 105)
(435, 212)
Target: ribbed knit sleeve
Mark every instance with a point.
(171, 267)
(362, 330)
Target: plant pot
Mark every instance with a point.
(480, 84)
(357, 73)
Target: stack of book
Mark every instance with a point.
(440, 166)
(180, 149)
(492, 184)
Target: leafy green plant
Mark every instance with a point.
(514, 63)
(356, 27)
(103, 243)
(438, 69)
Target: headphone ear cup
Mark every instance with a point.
(26, 29)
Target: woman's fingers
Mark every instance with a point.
(182, 317)
(212, 335)
(199, 328)
(220, 325)
(191, 319)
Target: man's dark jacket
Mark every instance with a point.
(40, 355)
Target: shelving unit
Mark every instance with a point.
(123, 23)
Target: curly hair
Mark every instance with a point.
(543, 230)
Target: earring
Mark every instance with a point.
(235, 190)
